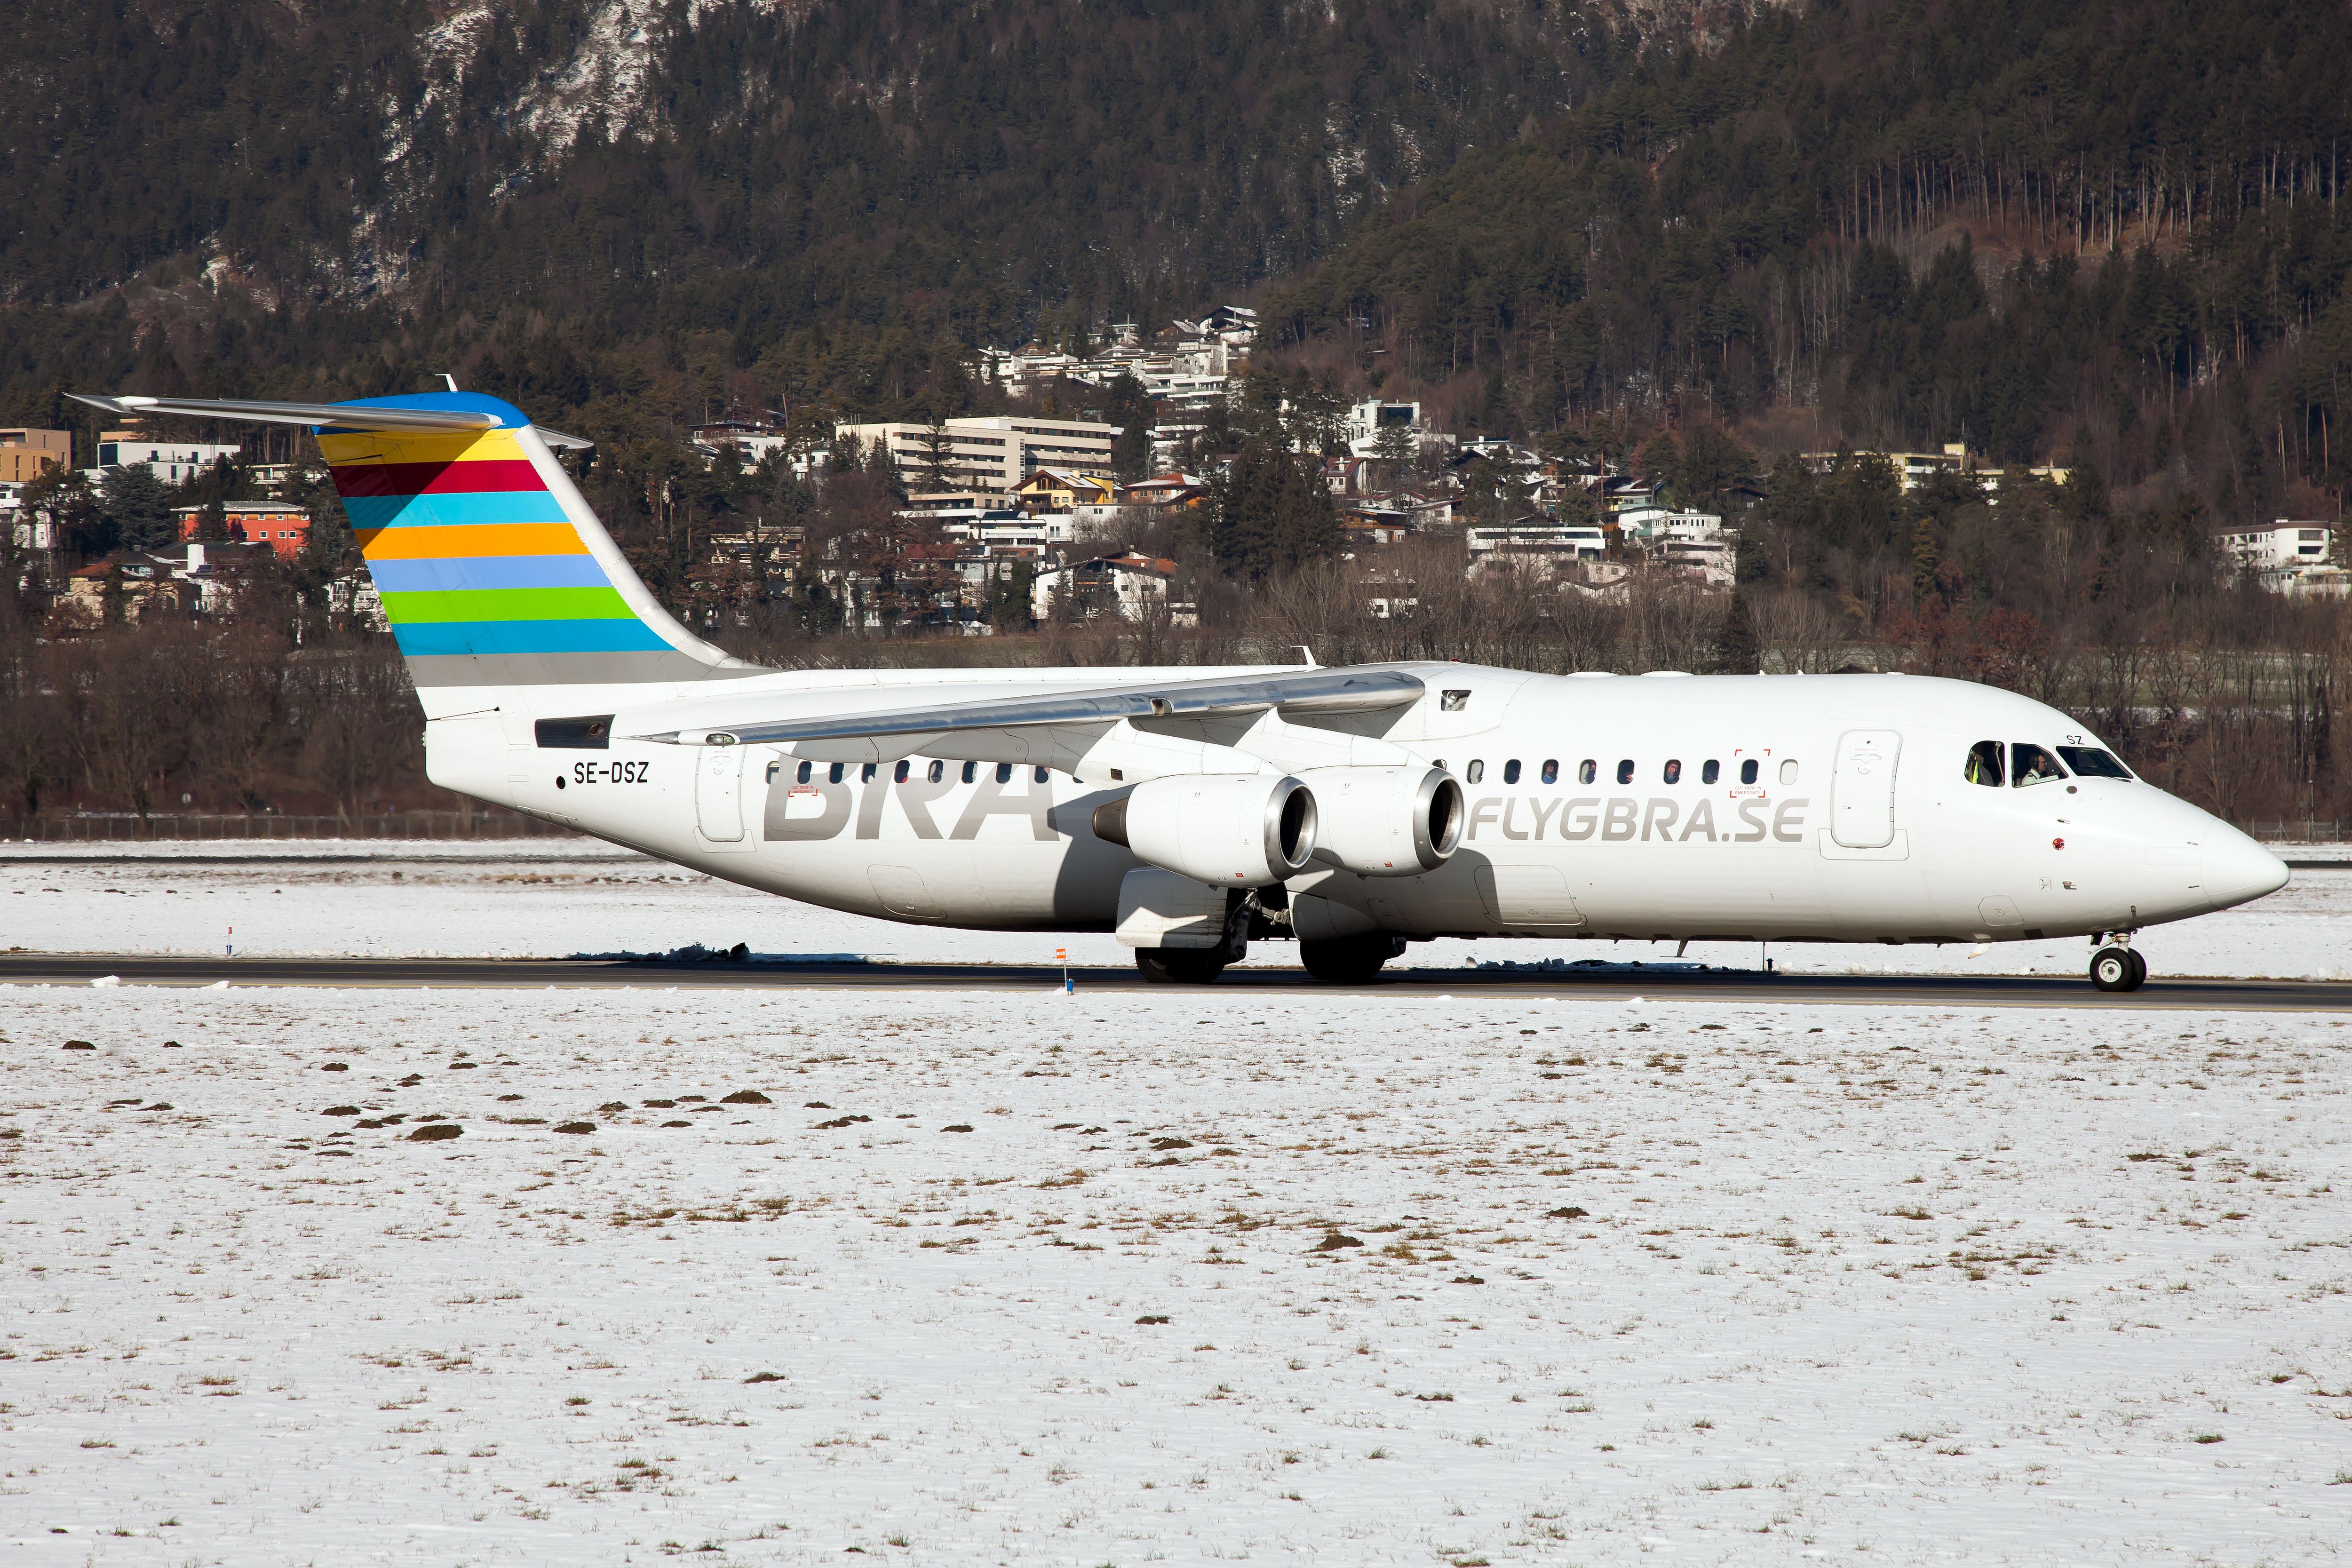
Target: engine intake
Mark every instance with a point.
(1385, 822)
(1232, 830)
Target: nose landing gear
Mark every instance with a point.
(2117, 966)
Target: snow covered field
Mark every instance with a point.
(556, 898)
(1365, 1280)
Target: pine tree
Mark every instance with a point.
(1130, 410)
(139, 506)
(1738, 649)
(1270, 513)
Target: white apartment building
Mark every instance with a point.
(1655, 524)
(1536, 535)
(174, 462)
(1913, 469)
(2283, 546)
(2288, 556)
(991, 454)
(1005, 530)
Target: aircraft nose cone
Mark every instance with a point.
(2237, 870)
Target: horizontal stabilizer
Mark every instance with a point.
(367, 416)
(1307, 694)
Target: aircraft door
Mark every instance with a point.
(1862, 793)
(719, 793)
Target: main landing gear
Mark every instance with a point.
(2117, 966)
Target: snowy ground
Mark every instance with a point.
(556, 898)
(1688, 1283)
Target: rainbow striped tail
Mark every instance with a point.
(493, 569)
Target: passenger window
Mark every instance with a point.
(2090, 763)
(1041, 773)
(1586, 771)
(1511, 771)
(938, 770)
(773, 769)
(832, 773)
(1477, 770)
(804, 772)
(1748, 771)
(1984, 765)
(1551, 770)
(2031, 765)
(865, 774)
(1674, 773)
(1710, 771)
(1453, 701)
(971, 772)
(1625, 771)
(898, 773)
(1789, 771)
(1004, 773)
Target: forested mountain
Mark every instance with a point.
(661, 207)
(2107, 231)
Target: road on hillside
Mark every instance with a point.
(1615, 983)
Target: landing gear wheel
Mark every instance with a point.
(1349, 960)
(1179, 966)
(2116, 969)
(2139, 971)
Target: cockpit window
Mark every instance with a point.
(1984, 765)
(2031, 765)
(2090, 763)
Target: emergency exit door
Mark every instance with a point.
(1862, 792)
(719, 793)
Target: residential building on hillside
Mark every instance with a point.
(285, 529)
(993, 453)
(2288, 556)
(1362, 423)
(1656, 523)
(2268, 547)
(129, 588)
(750, 440)
(1536, 534)
(1171, 489)
(25, 453)
(1128, 586)
(1913, 469)
(1059, 490)
(1373, 522)
(174, 462)
(1010, 530)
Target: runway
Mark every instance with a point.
(1613, 983)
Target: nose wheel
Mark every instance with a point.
(2118, 969)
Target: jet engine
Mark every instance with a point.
(1385, 822)
(1231, 831)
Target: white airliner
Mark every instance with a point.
(1193, 810)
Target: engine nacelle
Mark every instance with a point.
(1231, 831)
(1385, 822)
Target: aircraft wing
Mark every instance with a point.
(1308, 693)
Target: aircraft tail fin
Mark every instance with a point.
(492, 569)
